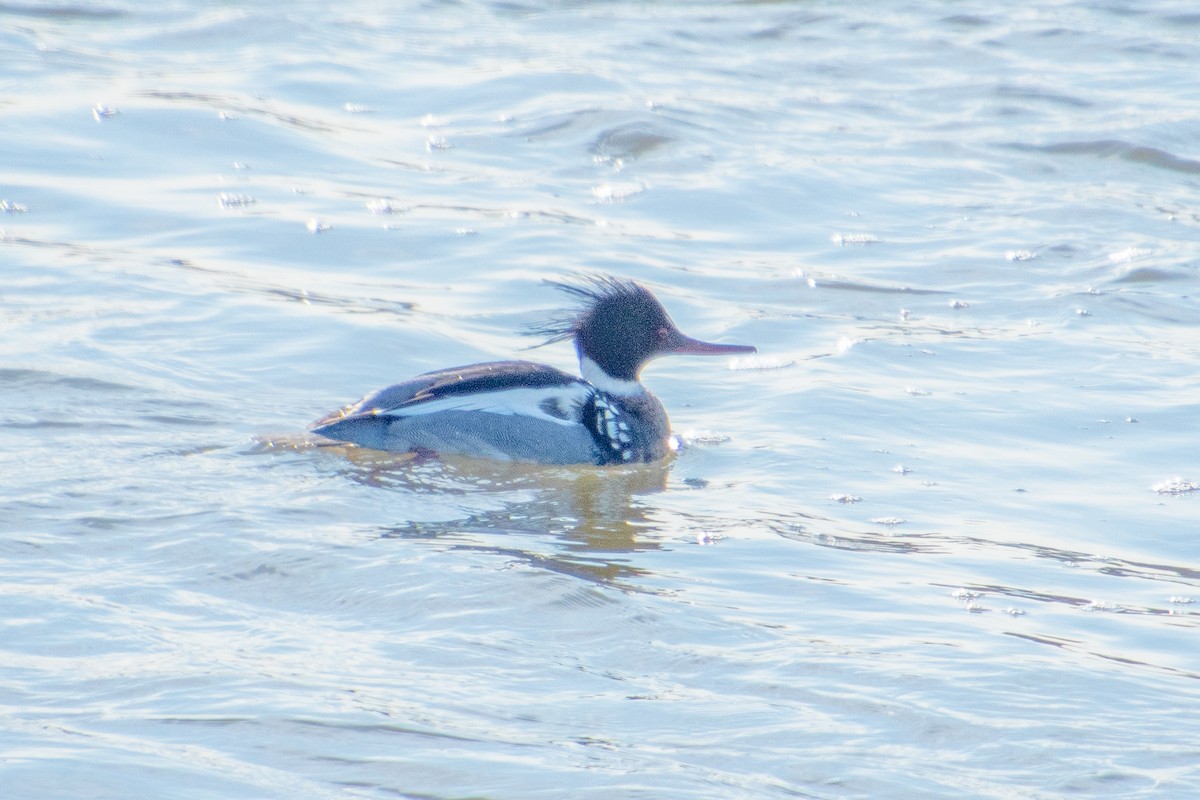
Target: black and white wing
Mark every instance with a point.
(500, 387)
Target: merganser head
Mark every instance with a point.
(619, 327)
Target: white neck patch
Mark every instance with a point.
(593, 374)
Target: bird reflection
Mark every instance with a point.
(592, 513)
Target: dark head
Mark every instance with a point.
(621, 325)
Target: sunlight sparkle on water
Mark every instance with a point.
(902, 205)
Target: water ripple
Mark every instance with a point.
(1125, 151)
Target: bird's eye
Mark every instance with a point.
(662, 333)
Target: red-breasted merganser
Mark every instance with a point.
(524, 411)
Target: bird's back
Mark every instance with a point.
(504, 410)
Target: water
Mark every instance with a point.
(938, 539)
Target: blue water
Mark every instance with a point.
(938, 539)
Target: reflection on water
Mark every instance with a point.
(594, 514)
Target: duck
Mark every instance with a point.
(532, 412)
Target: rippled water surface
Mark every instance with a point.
(940, 538)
